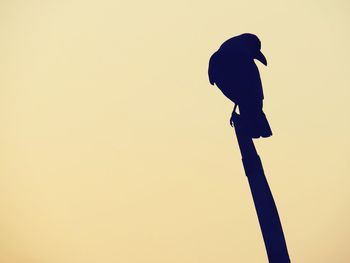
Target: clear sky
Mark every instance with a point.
(114, 147)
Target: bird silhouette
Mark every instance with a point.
(233, 70)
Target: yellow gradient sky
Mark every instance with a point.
(114, 148)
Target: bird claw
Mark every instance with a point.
(231, 121)
(234, 118)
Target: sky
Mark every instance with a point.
(114, 147)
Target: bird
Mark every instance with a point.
(233, 70)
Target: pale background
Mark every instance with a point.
(114, 148)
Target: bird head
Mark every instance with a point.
(253, 44)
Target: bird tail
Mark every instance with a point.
(257, 125)
(264, 126)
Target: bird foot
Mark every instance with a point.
(234, 118)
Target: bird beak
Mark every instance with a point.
(260, 56)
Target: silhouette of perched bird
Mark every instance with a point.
(233, 70)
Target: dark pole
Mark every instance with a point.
(270, 223)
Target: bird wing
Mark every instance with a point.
(253, 86)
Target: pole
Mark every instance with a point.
(265, 207)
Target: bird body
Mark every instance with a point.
(233, 70)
